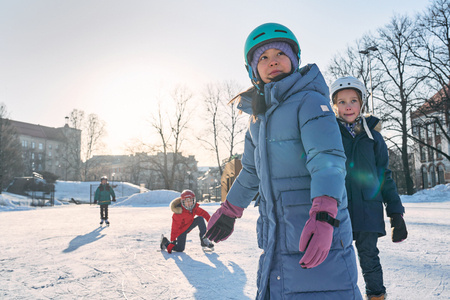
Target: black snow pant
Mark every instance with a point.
(104, 211)
(180, 242)
(366, 243)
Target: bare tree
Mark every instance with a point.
(94, 130)
(11, 162)
(233, 121)
(398, 86)
(213, 98)
(354, 63)
(170, 129)
(225, 123)
(431, 51)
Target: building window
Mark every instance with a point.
(24, 143)
(40, 156)
(438, 129)
(33, 145)
(49, 153)
(41, 147)
(49, 163)
(441, 174)
(438, 154)
(433, 175)
(49, 146)
(424, 178)
(414, 130)
(422, 153)
(430, 154)
(32, 155)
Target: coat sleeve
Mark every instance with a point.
(202, 213)
(246, 185)
(388, 188)
(112, 193)
(325, 156)
(97, 194)
(176, 225)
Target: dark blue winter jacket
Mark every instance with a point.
(368, 182)
(293, 153)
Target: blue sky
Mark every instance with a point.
(116, 58)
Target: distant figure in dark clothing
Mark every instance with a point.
(103, 196)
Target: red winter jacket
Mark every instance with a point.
(183, 218)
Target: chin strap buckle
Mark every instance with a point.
(325, 217)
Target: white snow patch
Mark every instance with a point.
(150, 198)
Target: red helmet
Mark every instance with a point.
(188, 199)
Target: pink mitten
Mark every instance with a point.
(221, 224)
(317, 234)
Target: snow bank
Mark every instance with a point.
(439, 193)
(81, 191)
(10, 201)
(150, 198)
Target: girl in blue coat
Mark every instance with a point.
(294, 165)
(368, 182)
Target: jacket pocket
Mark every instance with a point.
(371, 194)
(295, 213)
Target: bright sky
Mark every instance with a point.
(116, 58)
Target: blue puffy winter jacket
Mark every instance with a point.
(293, 153)
(368, 182)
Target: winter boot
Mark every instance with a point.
(376, 297)
(101, 222)
(205, 242)
(107, 222)
(164, 242)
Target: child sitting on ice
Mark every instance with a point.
(185, 208)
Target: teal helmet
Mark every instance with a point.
(264, 34)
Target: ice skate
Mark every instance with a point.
(206, 244)
(164, 242)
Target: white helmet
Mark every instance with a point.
(348, 82)
(351, 82)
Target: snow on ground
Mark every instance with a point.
(61, 253)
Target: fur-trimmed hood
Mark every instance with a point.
(175, 206)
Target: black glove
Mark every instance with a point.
(114, 199)
(399, 232)
(95, 201)
(221, 229)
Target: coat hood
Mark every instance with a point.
(306, 79)
(175, 206)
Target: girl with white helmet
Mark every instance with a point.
(292, 152)
(368, 181)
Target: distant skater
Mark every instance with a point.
(185, 209)
(103, 196)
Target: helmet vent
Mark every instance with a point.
(278, 30)
(259, 35)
